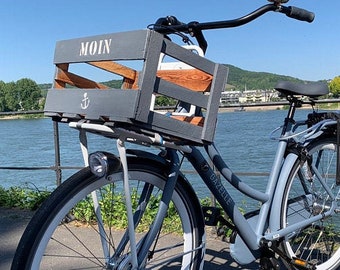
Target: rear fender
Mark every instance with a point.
(274, 219)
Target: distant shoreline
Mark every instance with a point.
(20, 116)
(40, 114)
(13, 117)
(251, 108)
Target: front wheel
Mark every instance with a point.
(82, 225)
(308, 192)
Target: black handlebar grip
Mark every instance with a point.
(163, 25)
(160, 24)
(300, 14)
(172, 20)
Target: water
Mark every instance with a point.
(242, 138)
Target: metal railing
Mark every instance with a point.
(58, 168)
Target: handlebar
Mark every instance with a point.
(298, 13)
(170, 24)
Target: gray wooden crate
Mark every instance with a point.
(92, 101)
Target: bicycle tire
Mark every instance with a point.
(55, 239)
(304, 197)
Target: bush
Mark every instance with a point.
(23, 198)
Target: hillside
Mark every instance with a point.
(238, 78)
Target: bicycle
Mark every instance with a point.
(141, 199)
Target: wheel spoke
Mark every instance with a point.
(311, 191)
(77, 242)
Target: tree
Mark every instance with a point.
(10, 97)
(2, 96)
(334, 86)
(165, 101)
(28, 94)
(22, 95)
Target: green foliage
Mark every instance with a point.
(334, 87)
(165, 101)
(23, 95)
(112, 205)
(24, 198)
(117, 84)
(114, 211)
(2, 95)
(242, 79)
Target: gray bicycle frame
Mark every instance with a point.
(250, 237)
(271, 198)
(276, 182)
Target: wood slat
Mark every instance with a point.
(130, 76)
(64, 77)
(60, 84)
(192, 79)
(194, 120)
(116, 68)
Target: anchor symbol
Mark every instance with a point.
(85, 102)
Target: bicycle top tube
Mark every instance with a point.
(171, 25)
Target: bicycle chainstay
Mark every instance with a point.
(268, 261)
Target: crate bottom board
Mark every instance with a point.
(113, 104)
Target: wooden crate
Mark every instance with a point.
(135, 57)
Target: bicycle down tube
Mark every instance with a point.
(251, 237)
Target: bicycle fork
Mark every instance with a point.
(84, 150)
(140, 252)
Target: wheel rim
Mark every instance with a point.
(318, 243)
(186, 243)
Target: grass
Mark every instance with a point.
(28, 198)
(113, 208)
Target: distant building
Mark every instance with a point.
(248, 96)
(230, 97)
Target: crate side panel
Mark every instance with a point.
(93, 104)
(148, 75)
(117, 46)
(218, 84)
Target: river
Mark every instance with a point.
(242, 138)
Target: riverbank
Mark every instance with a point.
(326, 105)
(21, 115)
(251, 108)
(14, 117)
(221, 110)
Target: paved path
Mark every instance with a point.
(13, 223)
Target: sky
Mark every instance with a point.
(273, 43)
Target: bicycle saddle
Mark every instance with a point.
(314, 89)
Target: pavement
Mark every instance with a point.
(13, 222)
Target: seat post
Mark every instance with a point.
(289, 120)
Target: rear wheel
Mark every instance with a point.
(67, 233)
(305, 196)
